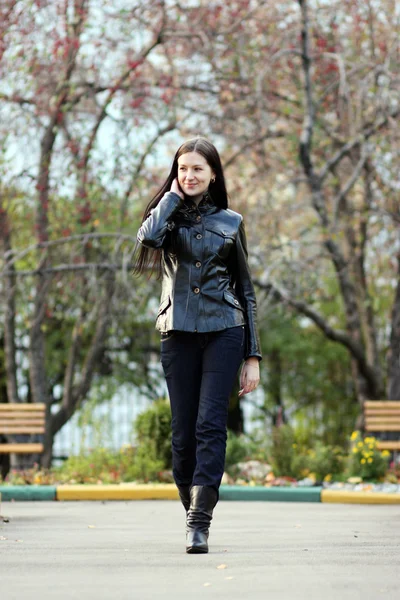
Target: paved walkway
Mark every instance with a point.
(261, 550)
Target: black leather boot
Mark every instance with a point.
(202, 501)
(184, 495)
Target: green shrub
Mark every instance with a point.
(145, 465)
(35, 475)
(237, 449)
(323, 460)
(153, 431)
(259, 445)
(107, 466)
(300, 465)
(284, 459)
(292, 458)
(365, 460)
(142, 462)
(99, 464)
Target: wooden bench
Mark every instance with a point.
(24, 419)
(383, 416)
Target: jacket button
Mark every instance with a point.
(236, 302)
(196, 290)
(198, 218)
(198, 264)
(198, 236)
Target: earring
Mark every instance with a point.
(212, 180)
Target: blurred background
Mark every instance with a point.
(301, 99)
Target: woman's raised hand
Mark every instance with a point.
(176, 189)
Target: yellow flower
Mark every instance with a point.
(370, 460)
(360, 444)
(355, 449)
(294, 445)
(363, 461)
(354, 436)
(385, 453)
(328, 477)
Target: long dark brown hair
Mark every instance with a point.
(144, 258)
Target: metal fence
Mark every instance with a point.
(108, 425)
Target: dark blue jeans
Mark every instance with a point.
(200, 370)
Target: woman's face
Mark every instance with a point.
(194, 173)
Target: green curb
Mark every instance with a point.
(27, 492)
(170, 492)
(270, 494)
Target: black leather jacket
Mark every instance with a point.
(206, 283)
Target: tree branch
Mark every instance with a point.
(337, 201)
(83, 237)
(252, 142)
(356, 350)
(69, 269)
(71, 402)
(357, 141)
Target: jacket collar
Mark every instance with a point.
(205, 206)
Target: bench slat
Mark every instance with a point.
(21, 422)
(381, 420)
(21, 448)
(382, 427)
(388, 445)
(22, 418)
(4, 407)
(15, 429)
(382, 403)
(34, 414)
(384, 412)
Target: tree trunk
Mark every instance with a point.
(394, 353)
(74, 396)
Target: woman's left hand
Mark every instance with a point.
(250, 376)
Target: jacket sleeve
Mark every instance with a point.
(245, 291)
(157, 224)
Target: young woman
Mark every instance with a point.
(207, 319)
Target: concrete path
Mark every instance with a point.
(262, 550)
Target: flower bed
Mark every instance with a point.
(361, 468)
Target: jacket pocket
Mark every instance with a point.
(164, 305)
(224, 233)
(230, 299)
(218, 242)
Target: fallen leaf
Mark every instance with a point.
(3, 538)
(92, 526)
(221, 567)
(207, 584)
